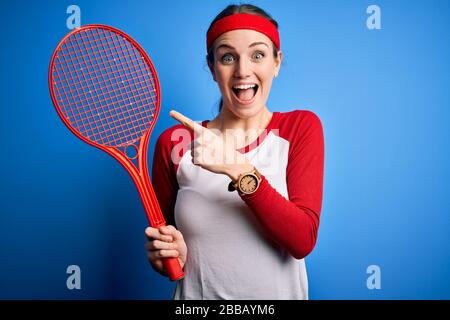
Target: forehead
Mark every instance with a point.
(241, 38)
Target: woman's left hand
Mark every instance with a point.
(212, 151)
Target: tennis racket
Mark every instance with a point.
(106, 91)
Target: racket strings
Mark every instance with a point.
(121, 95)
(124, 70)
(123, 92)
(104, 87)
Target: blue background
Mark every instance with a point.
(383, 98)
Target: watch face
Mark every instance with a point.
(248, 184)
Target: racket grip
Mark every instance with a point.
(173, 268)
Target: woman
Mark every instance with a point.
(244, 189)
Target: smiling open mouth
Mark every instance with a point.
(245, 92)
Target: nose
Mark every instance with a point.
(242, 69)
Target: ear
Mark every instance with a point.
(211, 68)
(278, 63)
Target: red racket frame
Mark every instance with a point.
(139, 174)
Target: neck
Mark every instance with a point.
(243, 130)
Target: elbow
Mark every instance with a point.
(304, 243)
(301, 252)
(303, 247)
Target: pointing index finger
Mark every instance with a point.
(185, 121)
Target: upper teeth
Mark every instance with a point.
(244, 86)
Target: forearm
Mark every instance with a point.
(293, 227)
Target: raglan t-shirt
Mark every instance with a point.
(246, 246)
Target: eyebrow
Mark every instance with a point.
(252, 45)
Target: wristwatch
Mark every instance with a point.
(247, 182)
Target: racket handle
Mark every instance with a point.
(173, 268)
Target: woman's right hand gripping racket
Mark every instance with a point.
(106, 91)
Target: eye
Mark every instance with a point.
(227, 58)
(258, 55)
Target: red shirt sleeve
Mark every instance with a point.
(164, 181)
(293, 223)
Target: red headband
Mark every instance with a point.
(243, 21)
